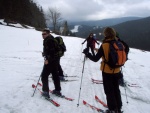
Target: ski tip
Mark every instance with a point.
(84, 102)
(33, 86)
(96, 97)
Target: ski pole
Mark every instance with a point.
(81, 51)
(125, 88)
(81, 81)
(37, 82)
(36, 86)
(126, 94)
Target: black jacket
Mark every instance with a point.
(90, 41)
(50, 51)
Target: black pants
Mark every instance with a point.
(60, 71)
(47, 69)
(92, 49)
(111, 89)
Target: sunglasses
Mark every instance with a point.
(44, 34)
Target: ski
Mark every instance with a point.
(62, 96)
(126, 84)
(93, 107)
(67, 80)
(131, 85)
(96, 80)
(100, 101)
(49, 99)
(70, 76)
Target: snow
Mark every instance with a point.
(2, 21)
(15, 25)
(75, 29)
(21, 64)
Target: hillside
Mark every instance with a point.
(136, 33)
(104, 22)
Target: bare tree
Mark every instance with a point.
(54, 17)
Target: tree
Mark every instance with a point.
(65, 30)
(22, 11)
(54, 16)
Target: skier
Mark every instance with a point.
(50, 64)
(90, 43)
(110, 76)
(121, 80)
(62, 49)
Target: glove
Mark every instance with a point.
(82, 43)
(86, 51)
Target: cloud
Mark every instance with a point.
(79, 10)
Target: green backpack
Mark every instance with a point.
(61, 45)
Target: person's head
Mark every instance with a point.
(45, 33)
(109, 33)
(91, 35)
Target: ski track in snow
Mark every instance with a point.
(22, 62)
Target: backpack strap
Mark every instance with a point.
(105, 62)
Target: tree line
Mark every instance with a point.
(29, 13)
(22, 11)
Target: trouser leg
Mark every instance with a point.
(117, 92)
(44, 78)
(60, 71)
(92, 49)
(109, 91)
(56, 76)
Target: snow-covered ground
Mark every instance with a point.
(75, 29)
(21, 63)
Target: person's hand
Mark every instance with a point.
(46, 62)
(82, 43)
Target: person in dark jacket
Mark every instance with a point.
(90, 43)
(110, 76)
(121, 80)
(51, 62)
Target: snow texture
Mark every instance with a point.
(21, 64)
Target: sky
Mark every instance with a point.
(79, 10)
(21, 64)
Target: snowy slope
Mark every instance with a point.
(21, 63)
(75, 28)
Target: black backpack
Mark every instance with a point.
(117, 55)
(61, 45)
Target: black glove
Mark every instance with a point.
(86, 51)
(82, 43)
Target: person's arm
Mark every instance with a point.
(95, 41)
(84, 41)
(97, 56)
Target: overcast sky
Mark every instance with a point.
(79, 10)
